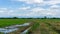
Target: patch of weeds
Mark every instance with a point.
(1, 33)
(35, 26)
(29, 32)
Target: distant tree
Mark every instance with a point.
(15, 18)
(45, 17)
(55, 18)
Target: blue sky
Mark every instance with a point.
(29, 8)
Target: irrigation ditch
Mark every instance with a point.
(17, 29)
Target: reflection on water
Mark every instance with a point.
(7, 30)
(13, 28)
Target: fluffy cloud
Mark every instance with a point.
(24, 8)
(53, 11)
(37, 12)
(39, 1)
(35, 8)
(30, 1)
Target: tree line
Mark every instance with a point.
(29, 18)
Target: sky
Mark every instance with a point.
(29, 8)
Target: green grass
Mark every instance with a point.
(8, 22)
(47, 26)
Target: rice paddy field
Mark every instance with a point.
(41, 26)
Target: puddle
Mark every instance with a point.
(13, 28)
(7, 30)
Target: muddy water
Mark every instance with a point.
(14, 28)
(7, 30)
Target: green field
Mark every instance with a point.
(8, 22)
(41, 26)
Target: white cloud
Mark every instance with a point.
(39, 1)
(24, 8)
(53, 2)
(34, 12)
(30, 1)
(54, 10)
(40, 11)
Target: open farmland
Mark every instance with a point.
(41, 26)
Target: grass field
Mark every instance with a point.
(8, 22)
(42, 26)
